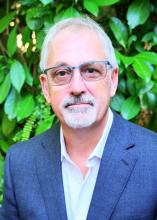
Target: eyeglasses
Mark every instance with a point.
(91, 71)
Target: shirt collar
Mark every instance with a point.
(98, 150)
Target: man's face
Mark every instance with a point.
(80, 103)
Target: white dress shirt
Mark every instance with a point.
(79, 189)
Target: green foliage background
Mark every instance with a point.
(132, 26)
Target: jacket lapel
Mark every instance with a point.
(116, 167)
(49, 173)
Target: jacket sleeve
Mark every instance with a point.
(9, 210)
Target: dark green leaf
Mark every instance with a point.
(147, 37)
(17, 74)
(91, 7)
(2, 74)
(26, 35)
(4, 88)
(131, 39)
(117, 101)
(4, 147)
(59, 7)
(11, 43)
(4, 22)
(39, 39)
(119, 30)
(7, 125)
(146, 87)
(130, 108)
(28, 2)
(138, 12)
(122, 86)
(29, 78)
(25, 107)
(11, 104)
(149, 100)
(131, 86)
(33, 18)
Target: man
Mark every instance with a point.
(94, 165)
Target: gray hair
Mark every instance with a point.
(83, 21)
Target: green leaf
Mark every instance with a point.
(28, 2)
(147, 56)
(17, 74)
(130, 108)
(39, 39)
(26, 35)
(7, 125)
(11, 43)
(4, 147)
(2, 74)
(148, 37)
(91, 7)
(11, 104)
(125, 60)
(70, 12)
(29, 78)
(149, 100)
(141, 69)
(117, 101)
(59, 7)
(145, 87)
(4, 88)
(4, 22)
(131, 86)
(44, 125)
(131, 39)
(138, 12)
(105, 2)
(119, 30)
(25, 107)
(33, 18)
(46, 2)
(122, 86)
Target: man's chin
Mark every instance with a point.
(78, 123)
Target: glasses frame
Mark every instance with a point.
(72, 68)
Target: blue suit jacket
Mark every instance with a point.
(126, 187)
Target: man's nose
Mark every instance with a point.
(77, 85)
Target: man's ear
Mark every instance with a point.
(114, 81)
(45, 88)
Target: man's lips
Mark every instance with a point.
(80, 104)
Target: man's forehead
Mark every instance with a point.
(75, 46)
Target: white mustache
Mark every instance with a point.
(83, 99)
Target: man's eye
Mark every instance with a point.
(91, 70)
(61, 73)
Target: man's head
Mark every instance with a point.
(81, 72)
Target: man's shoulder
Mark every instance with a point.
(32, 145)
(135, 132)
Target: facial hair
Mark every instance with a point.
(79, 116)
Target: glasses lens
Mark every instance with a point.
(60, 75)
(93, 71)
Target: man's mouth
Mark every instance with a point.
(79, 104)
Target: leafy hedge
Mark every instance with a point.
(132, 26)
